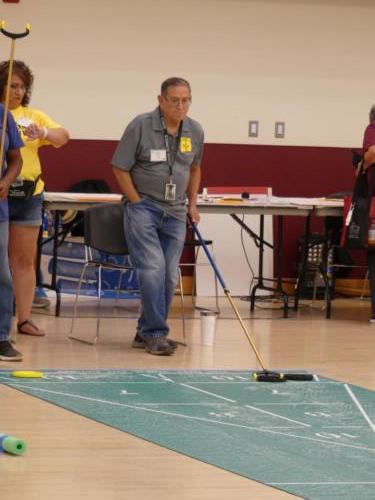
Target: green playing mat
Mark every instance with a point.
(312, 439)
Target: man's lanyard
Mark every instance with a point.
(168, 151)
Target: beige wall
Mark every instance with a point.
(309, 63)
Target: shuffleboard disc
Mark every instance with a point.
(27, 374)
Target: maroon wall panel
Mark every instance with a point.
(78, 160)
(290, 170)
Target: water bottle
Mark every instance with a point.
(45, 224)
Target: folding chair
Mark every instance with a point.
(103, 238)
(336, 260)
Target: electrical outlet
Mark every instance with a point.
(253, 128)
(280, 130)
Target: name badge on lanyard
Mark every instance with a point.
(170, 187)
(170, 191)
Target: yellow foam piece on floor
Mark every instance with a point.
(27, 374)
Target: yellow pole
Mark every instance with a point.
(6, 101)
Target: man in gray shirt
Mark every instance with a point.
(157, 165)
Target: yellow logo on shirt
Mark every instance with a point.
(186, 145)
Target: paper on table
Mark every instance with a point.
(309, 201)
(280, 201)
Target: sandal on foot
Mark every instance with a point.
(35, 333)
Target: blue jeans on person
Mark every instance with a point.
(6, 289)
(155, 241)
(26, 212)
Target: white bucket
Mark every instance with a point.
(208, 326)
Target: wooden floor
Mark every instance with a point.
(71, 457)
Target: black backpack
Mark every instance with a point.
(85, 186)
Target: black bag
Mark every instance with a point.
(356, 158)
(22, 189)
(86, 186)
(356, 221)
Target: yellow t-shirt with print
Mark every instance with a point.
(31, 167)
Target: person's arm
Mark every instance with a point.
(14, 165)
(192, 191)
(56, 136)
(369, 157)
(126, 184)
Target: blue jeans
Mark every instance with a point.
(155, 241)
(6, 289)
(26, 212)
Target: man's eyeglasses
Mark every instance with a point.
(175, 101)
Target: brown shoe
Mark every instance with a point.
(139, 343)
(158, 346)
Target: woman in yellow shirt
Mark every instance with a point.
(25, 214)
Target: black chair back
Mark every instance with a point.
(104, 228)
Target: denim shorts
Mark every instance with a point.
(26, 212)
